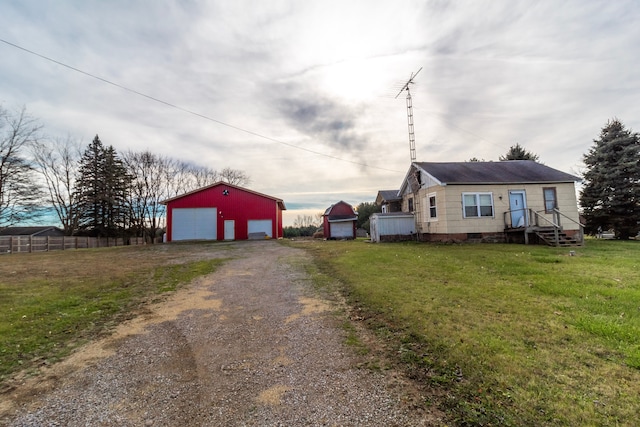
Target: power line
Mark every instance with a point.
(186, 110)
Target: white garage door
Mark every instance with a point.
(342, 229)
(260, 226)
(194, 224)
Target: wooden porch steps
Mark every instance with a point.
(548, 236)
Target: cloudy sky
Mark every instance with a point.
(301, 94)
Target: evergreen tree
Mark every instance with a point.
(117, 188)
(89, 186)
(101, 191)
(517, 152)
(365, 210)
(611, 195)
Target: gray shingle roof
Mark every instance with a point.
(29, 231)
(389, 195)
(510, 171)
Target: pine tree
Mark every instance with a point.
(517, 152)
(116, 192)
(101, 190)
(611, 195)
(89, 189)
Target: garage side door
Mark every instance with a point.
(342, 229)
(194, 224)
(260, 226)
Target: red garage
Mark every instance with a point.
(223, 211)
(339, 221)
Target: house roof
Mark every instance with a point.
(502, 172)
(226, 184)
(388, 196)
(27, 231)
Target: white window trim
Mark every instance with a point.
(554, 200)
(477, 196)
(428, 205)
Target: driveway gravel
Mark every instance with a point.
(250, 345)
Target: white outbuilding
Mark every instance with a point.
(392, 226)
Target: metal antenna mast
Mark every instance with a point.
(412, 136)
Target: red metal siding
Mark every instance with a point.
(233, 203)
(341, 208)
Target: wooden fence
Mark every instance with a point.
(26, 244)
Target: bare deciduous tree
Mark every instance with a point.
(203, 176)
(184, 177)
(20, 194)
(150, 185)
(235, 177)
(304, 221)
(58, 161)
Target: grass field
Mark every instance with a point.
(52, 302)
(497, 334)
(504, 334)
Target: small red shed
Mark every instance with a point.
(339, 221)
(222, 211)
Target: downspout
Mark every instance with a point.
(278, 221)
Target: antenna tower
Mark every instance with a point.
(412, 136)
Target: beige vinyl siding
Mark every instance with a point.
(438, 224)
(450, 210)
(457, 223)
(567, 203)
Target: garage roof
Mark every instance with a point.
(226, 184)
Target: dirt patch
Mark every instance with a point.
(249, 345)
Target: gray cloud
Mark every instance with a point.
(323, 119)
(546, 74)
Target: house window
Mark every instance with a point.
(477, 205)
(410, 204)
(433, 213)
(550, 199)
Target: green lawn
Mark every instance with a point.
(504, 334)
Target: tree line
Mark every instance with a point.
(100, 192)
(308, 225)
(95, 191)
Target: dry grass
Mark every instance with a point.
(52, 302)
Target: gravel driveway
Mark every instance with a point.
(250, 345)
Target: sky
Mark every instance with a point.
(301, 95)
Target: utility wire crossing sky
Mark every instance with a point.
(300, 95)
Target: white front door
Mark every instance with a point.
(229, 229)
